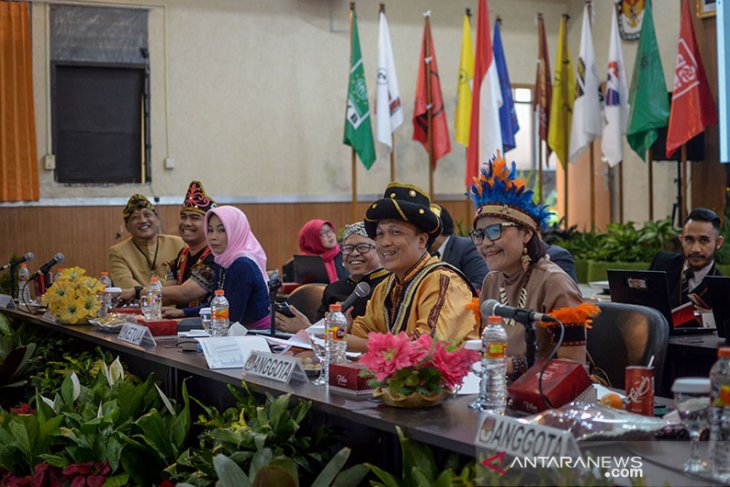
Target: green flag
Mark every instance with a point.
(358, 132)
(648, 94)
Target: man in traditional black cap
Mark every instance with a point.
(422, 294)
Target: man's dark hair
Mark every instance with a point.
(704, 215)
(447, 224)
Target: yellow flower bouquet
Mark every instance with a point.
(74, 297)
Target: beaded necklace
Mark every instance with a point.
(522, 302)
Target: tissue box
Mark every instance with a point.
(346, 378)
(126, 311)
(161, 327)
(562, 382)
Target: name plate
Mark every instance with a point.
(519, 439)
(230, 352)
(281, 368)
(136, 334)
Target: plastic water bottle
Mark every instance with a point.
(493, 386)
(105, 280)
(152, 300)
(720, 416)
(23, 288)
(219, 315)
(337, 327)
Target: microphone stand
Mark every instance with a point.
(530, 343)
(274, 285)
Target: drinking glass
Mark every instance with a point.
(692, 397)
(319, 347)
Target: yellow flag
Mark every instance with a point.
(463, 97)
(561, 108)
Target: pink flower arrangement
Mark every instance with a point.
(425, 365)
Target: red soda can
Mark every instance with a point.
(640, 390)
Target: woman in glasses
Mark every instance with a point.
(363, 265)
(506, 233)
(317, 237)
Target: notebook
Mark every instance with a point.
(651, 289)
(310, 268)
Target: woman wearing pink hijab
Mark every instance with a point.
(317, 237)
(242, 272)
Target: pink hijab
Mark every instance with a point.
(310, 243)
(241, 240)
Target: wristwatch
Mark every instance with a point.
(137, 292)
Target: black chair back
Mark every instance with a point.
(307, 298)
(627, 334)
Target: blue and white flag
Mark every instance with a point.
(616, 111)
(507, 115)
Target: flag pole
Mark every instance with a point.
(591, 154)
(621, 192)
(429, 102)
(650, 162)
(467, 202)
(538, 120)
(353, 154)
(566, 142)
(392, 137)
(683, 206)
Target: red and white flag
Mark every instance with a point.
(485, 134)
(388, 109)
(692, 107)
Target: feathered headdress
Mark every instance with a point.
(500, 193)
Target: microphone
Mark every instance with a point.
(26, 258)
(361, 290)
(57, 259)
(524, 316)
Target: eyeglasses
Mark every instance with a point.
(362, 248)
(326, 231)
(492, 232)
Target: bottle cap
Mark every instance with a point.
(154, 279)
(692, 385)
(219, 292)
(494, 319)
(723, 352)
(335, 307)
(23, 265)
(105, 273)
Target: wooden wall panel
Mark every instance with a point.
(84, 233)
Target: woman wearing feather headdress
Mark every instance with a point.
(506, 231)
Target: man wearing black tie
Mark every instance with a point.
(686, 272)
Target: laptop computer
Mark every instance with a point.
(310, 268)
(719, 289)
(651, 289)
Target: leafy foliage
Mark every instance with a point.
(421, 470)
(242, 432)
(621, 242)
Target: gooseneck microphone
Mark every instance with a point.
(25, 258)
(361, 291)
(57, 259)
(521, 315)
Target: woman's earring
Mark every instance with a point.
(525, 260)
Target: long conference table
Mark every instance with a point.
(452, 426)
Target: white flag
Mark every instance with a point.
(388, 109)
(617, 101)
(587, 116)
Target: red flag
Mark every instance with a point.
(439, 125)
(543, 84)
(693, 109)
(485, 132)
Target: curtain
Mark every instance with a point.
(18, 151)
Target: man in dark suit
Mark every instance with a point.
(686, 272)
(562, 258)
(459, 251)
